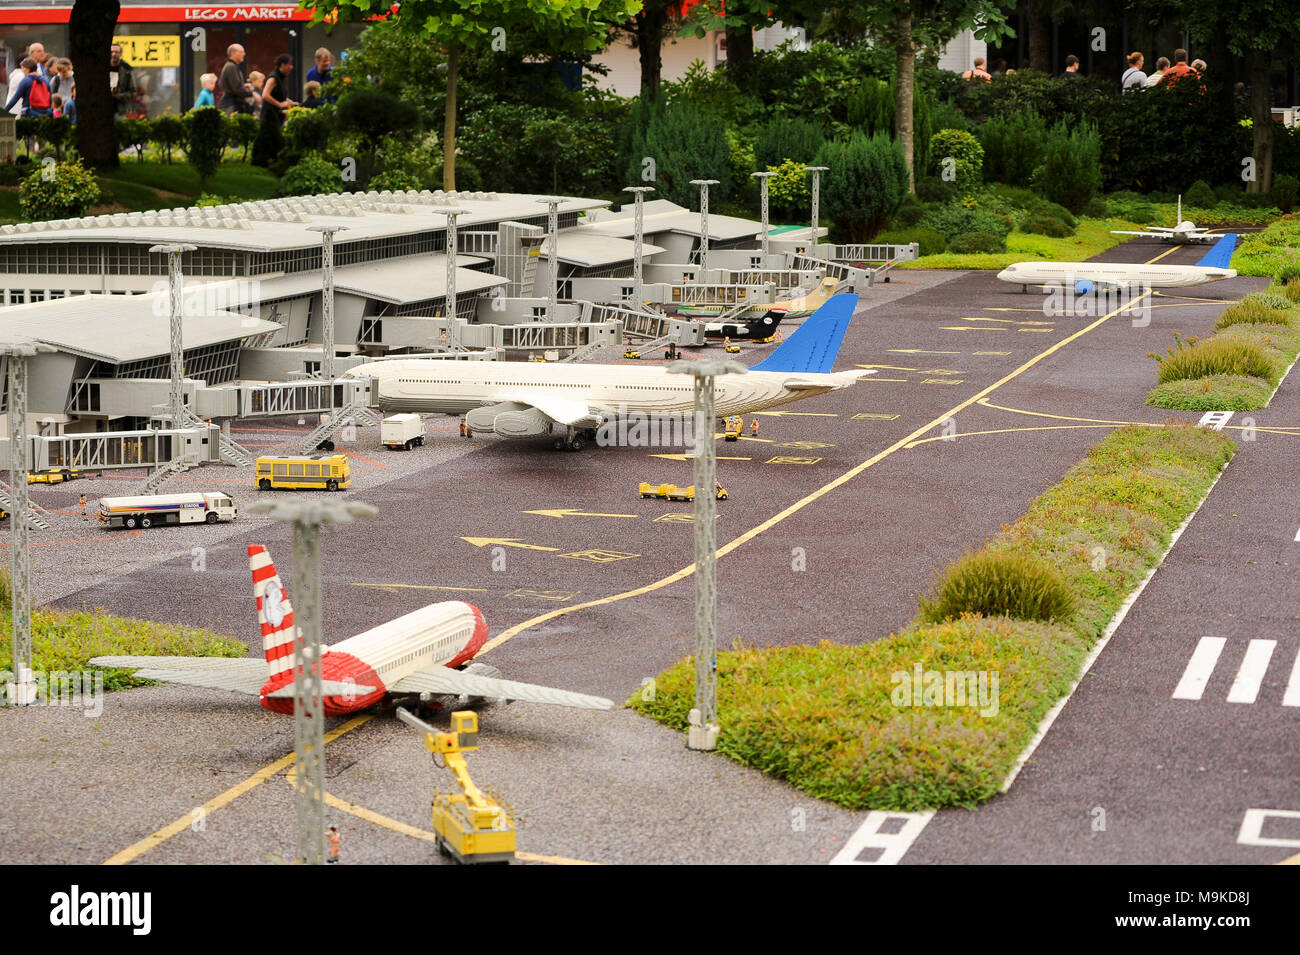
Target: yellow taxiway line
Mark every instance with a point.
(230, 795)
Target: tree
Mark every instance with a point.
(460, 26)
(907, 25)
(90, 28)
(1256, 30)
(739, 19)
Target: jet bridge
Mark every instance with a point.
(649, 325)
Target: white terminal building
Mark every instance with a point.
(91, 288)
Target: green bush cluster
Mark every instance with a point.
(956, 156)
(1200, 358)
(1070, 172)
(678, 145)
(311, 175)
(57, 191)
(1013, 147)
(866, 185)
(997, 583)
(787, 138)
(1200, 194)
(954, 219)
(929, 241)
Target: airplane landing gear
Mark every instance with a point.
(575, 439)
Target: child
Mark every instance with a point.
(205, 97)
(57, 102)
(312, 98)
(257, 80)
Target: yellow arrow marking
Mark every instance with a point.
(921, 351)
(990, 353)
(874, 379)
(691, 457)
(1007, 321)
(1036, 329)
(503, 542)
(570, 512)
(969, 328)
(890, 367)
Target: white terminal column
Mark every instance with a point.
(308, 704)
(703, 732)
(552, 228)
(22, 688)
(638, 270)
(816, 199)
(176, 288)
(763, 178)
(704, 224)
(449, 304)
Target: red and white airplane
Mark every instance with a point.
(426, 651)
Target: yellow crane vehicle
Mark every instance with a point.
(471, 826)
(52, 476)
(734, 425)
(671, 492)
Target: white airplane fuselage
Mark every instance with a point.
(1112, 273)
(419, 385)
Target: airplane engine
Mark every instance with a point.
(509, 420)
(481, 669)
(521, 424)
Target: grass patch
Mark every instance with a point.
(1215, 393)
(64, 641)
(1240, 367)
(236, 181)
(999, 584)
(1091, 238)
(833, 721)
(1266, 252)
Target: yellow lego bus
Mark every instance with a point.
(328, 472)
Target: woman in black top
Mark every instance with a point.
(275, 100)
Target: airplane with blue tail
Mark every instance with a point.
(530, 399)
(1135, 277)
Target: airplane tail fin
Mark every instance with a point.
(274, 612)
(815, 343)
(1220, 254)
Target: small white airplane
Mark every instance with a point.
(1181, 234)
(425, 651)
(1085, 276)
(527, 399)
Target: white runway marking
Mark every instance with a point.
(1250, 675)
(892, 843)
(1252, 827)
(1297, 535)
(1292, 695)
(1215, 420)
(1199, 668)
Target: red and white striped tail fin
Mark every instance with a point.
(274, 612)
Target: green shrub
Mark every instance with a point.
(866, 184)
(311, 175)
(787, 138)
(930, 242)
(308, 130)
(1292, 290)
(1096, 208)
(682, 144)
(1192, 358)
(1044, 225)
(11, 174)
(207, 199)
(1287, 272)
(1267, 300)
(241, 131)
(789, 189)
(910, 212)
(168, 134)
(1254, 313)
(1071, 168)
(373, 114)
(1200, 195)
(1013, 147)
(1286, 190)
(997, 583)
(205, 140)
(871, 107)
(933, 189)
(956, 156)
(68, 192)
(1132, 207)
(955, 218)
(976, 242)
(1214, 393)
(394, 180)
(132, 134)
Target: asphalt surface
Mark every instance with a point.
(612, 787)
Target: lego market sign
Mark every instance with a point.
(239, 13)
(150, 50)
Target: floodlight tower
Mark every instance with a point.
(704, 225)
(816, 199)
(449, 303)
(703, 733)
(552, 252)
(176, 288)
(763, 178)
(638, 290)
(327, 303)
(22, 689)
(308, 708)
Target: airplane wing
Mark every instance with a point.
(1151, 233)
(440, 679)
(565, 411)
(243, 675)
(327, 688)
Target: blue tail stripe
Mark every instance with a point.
(815, 344)
(1220, 254)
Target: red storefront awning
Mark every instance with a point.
(193, 13)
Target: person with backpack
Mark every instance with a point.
(1133, 77)
(33, 92)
